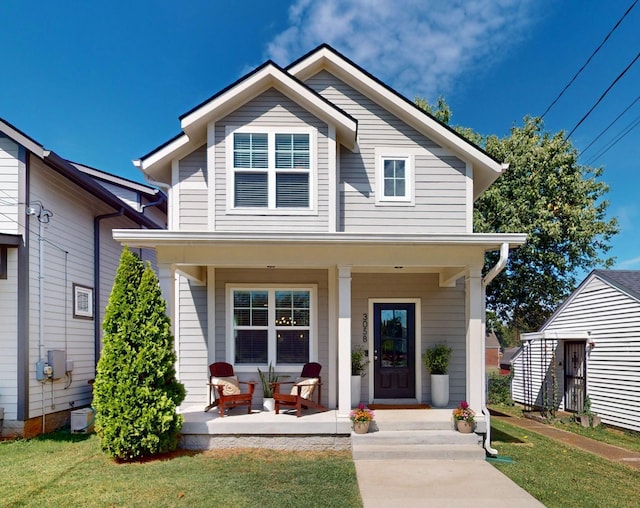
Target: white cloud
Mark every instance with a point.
(420, 47)
(628, 264)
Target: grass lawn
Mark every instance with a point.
(613, 436)
(62, 469)
(561, 476)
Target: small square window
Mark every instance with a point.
(82, 302)
(394, 178)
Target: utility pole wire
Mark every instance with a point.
(615, 140)
(610, 125)
(590, 58)
(602, 96)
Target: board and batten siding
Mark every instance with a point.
(613, 378)
(442, 321)
(440, 181)
(272, 109)
(9, 187)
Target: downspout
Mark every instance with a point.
(499, 266)
(96, 282)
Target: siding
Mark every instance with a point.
(272, 109)
(192, 344)
(613, 377)
(442, 319)
(8, 337)
(70, 230)
(192, 191)
(440, 182)
(9, 190)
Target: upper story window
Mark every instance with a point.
(271, 169)
(394, 178)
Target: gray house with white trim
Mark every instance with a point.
(590, 345)
(312, 210)
(57, 264)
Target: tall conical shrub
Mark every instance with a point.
(136, 392)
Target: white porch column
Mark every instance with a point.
(475, 341)
(166, 279)
(344, 340)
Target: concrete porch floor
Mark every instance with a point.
(285, 431)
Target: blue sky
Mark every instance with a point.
(104, 83)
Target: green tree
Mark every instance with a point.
(558, 202)
(136, 392)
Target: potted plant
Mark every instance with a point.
(361, 417)
(464, 417)
(586, 417)
(268, 381)
(436, 359)
(359, 362)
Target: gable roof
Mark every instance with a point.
(290, 81)
(624, 280)
(324, 57)
(269, 75)
(73, 174)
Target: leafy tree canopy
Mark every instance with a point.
(558, 202)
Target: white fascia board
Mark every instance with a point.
(324, 58)
(153, 164)
(490, 241)
(265, 78)
(555, 335)
(22, 139)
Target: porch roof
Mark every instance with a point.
(555, 335)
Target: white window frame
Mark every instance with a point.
(271, 170)
(271, 328)
(82, 291)
(382, 154)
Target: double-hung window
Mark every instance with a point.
(394, 177)
(271, 325)
(270, 169)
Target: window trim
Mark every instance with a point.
(271, 336)
(80, 313)
(271, 170)
(4, 256)
(382, 154)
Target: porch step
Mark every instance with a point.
(416, 444)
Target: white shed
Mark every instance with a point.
(590, 345)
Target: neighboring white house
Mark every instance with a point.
(589, 346)
(312, 210)
(57, 264)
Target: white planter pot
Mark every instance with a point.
(268, 404)
(356, 387)
(440, 390)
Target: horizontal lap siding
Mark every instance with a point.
(9, 337)
(532, 371)
(251, 276)
(440, 181)
(192, 340)
(10, 211)
(192, 191)
(613, 376)
(443, 318)
(272, 109)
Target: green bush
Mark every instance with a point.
(500, 389)
(136, 392)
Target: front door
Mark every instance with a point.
(574, 376)
(394, 350)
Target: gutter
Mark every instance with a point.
(492, 274)
(96, 281)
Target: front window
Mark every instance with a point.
(271, 169)
(271, 325)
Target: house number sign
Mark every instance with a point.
(365, 327)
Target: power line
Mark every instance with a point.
(610, 125)
(602, 96)
(615, 140)
(590, 58)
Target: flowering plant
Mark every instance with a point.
(361, 414)
(464, 412)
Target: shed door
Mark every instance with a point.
(574, 376)
(394, 359)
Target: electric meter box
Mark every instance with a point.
(82, 420)
(57, 360)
